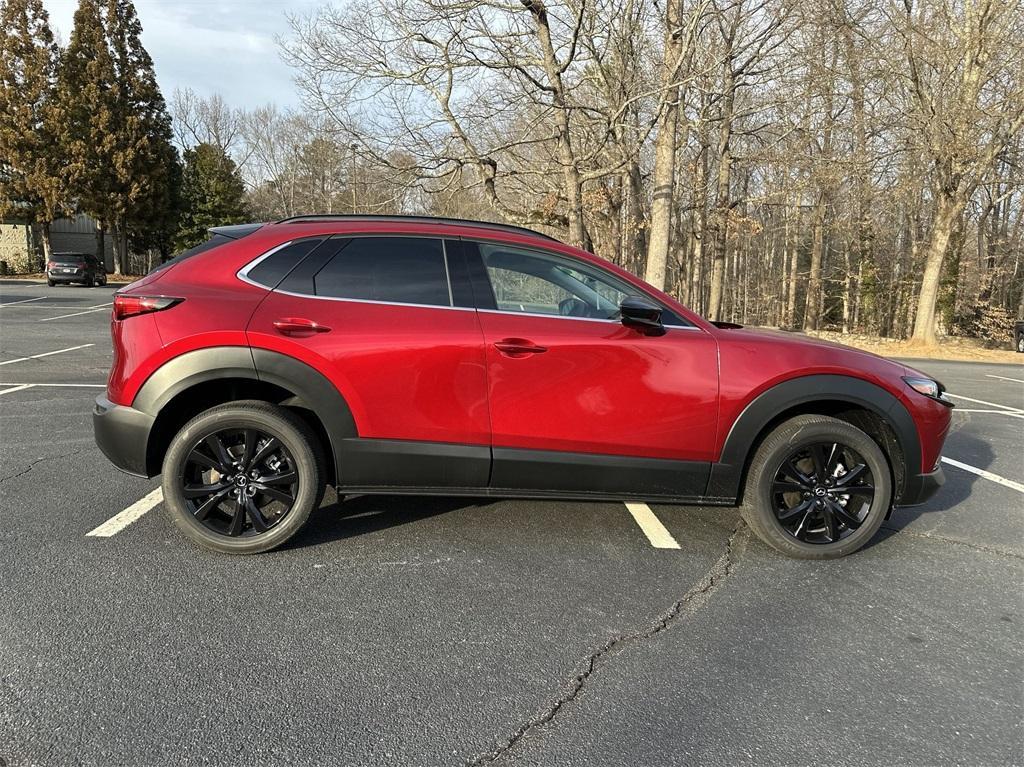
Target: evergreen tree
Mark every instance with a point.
(144, 157)
(212, 193)
(85, 91)
(30, 184)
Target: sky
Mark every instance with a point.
(211, 46)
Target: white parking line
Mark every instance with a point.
(46, 354)
(100, 308)
(986, 474)
(120, 521)
(1003, 378)
(59, 385)
(983, 402)
(656, 533)
(1007, 413)
(15, 387)
(23, 301)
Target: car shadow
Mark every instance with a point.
(957, 489)
(338, 519)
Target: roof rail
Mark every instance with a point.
(423, 219)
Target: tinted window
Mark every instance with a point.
(215, 241)
(406, 270)
(67, 258)
(274, 267)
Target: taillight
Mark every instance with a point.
(130, 306)
(50, 265)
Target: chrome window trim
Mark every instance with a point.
(510, 313)
(243, 273)
(368, 301)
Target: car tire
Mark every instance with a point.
(192, 465)
(802, 511)
(50, 283)
(1020, 345)
(89, 282)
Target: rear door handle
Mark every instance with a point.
(299, 326)
(518, 347)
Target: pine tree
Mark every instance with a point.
(30, 185)
(85, 91)
(212, 192)
(143, 155)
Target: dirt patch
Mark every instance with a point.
(966, 349)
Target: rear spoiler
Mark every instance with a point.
(234, 231)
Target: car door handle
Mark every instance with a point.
(518, 347)
(297, 326)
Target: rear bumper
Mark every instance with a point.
(66, 277)
(122, 433)
(920, 487)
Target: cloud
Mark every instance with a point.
(222, 46)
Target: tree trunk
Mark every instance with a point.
(101, 245)
(812, 306)
(721, 218)
(44, 239)
(665, 151)
(946, 212)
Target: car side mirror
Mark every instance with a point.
(641, 314)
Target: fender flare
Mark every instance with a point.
(728, 474)
(311, 388)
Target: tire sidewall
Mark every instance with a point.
(783, 443)
(219, 419)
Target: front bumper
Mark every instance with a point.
(918, 488)
(122, 433)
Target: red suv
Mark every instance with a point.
(433, 356)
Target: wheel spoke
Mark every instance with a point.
(237, 520)
(272, 444)
(788, 514)
(844, 514)
(856, 490)
(204, 460)
(831, 528)
(785, 486)
(789, 469)
(832, 462)
(273, 492)
(258, 522)
(204, 509)
(850, 475)
(198, 491)
(820, 462)
(219, 451)
(248, 448)
(285, 478)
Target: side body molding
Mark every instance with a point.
(728, 474)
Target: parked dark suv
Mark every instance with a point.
(66, 268)
(431, 356)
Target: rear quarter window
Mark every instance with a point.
(273, 267)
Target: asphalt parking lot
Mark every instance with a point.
(452, 631)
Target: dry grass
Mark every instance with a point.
(967, 349)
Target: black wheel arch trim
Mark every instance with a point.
(312, 390)
(728, 474)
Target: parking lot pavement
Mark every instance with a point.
(455, 631)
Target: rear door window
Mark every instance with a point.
(400, 270)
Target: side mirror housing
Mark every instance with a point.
(641, 314)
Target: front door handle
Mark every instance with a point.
(518, 347)
(299, 326)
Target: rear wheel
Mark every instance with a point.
(817, 488)
(1020, 344)
(51, 283)
(242, 478)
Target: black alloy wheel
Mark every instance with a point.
(822, 492)
(239, 482)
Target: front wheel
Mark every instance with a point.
(817, 488)
(1020, 345)
(242, 478)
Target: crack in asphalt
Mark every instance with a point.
(693, 600)
(32, 464)
(954, 541)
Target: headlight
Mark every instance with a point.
(929, 388)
